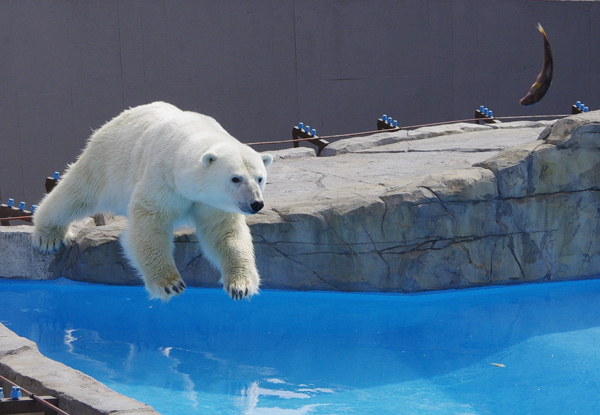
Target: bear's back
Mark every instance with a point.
(147, 143)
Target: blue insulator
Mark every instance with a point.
(1, 393)
(11, 202)
(307, 128)
(586, 109)
(55, 176)
(22, 205)
(313, 132)
(300, 125)
(481, 108)
(15, 393)
(395, 123)
(486, 111)
(577, 104)
(390, 120)
(384, 118)
(491, 113)
(33, 208)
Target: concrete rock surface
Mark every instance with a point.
(458, 205)
(77, 393)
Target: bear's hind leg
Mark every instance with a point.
(148, 244)
(70, 200)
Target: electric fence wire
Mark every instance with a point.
(326, 137)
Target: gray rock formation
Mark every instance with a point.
(397, 212)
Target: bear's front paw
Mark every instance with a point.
(50, 240)
(166, 288)
(239, 288)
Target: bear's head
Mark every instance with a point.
(228, 177)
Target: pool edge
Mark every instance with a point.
(77, 393)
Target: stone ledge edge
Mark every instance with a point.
(77, 393)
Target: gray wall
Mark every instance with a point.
(259, 67)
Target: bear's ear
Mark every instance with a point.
(208, 158)
(267, 159)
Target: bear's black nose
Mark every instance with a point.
(257, 206)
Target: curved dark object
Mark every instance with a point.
(544, 79)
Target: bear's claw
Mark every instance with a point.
(237, 293)
(165, 292)
(179, 288)
(50, 241)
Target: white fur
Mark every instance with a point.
(161, 166)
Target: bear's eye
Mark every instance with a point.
(260, 179)
(235, 179)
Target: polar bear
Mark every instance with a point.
(163, 167)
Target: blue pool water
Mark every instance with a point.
(529, 349)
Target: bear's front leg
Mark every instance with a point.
(226, 241)
(148, 243)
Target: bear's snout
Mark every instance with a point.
(256, 206)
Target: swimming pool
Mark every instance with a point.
(528, 349)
